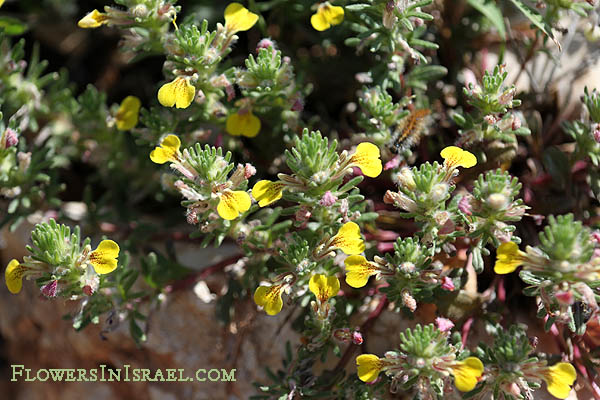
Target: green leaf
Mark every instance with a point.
(12, 26)
(491, 12)
(536, 19)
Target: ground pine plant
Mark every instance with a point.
(417, 167)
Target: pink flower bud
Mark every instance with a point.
(357, 338)
(565, 298)
(596, 133)
(10, 138)
(464, 205)
(298, 104)
(393, 163)
(490, 119)
(328, 199)
(49, 290)
(516, 124)
(444, 324)
(249, 170)
(303, 214)
(265, 44)
(447, 284)
(88, 290)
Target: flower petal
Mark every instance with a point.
(368, 367)
(348, 239)
(559, 379)
(269, 298)
(319, 22)
(508, 258)
(13, 275)
(367, 159)
(358, 271)
(127, 115)
(324, 287)
(457, 157)
(267, 192)
(333, 14)
(251, 125)
(466, 373)
(169, 147)
(232, 203)
(179, 93)
(238, 18)
(104, 258)
(93, 19)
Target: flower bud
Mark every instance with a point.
(249, 170)
(447, 284)
(407, 267)
(497, 201)
(9, 138)
(328, 199)
(406, 178)
(464, 205)
(444, 324)
(49, 290)
(408, 300)
(265, 44)
(439, 192)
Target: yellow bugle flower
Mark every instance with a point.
(167, 151)
(327, 16)
(179, 93)
(267, 192)
(232, 203)
(104, 258)
(239, 18)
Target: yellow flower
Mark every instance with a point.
(167, 151)
(326, 16)
(369, 366)
(267, 192)
(508, 258)
(238, 18)
(127, 115)
(13, 275)
(466, 373)
(233, 203)
(324, 287)
(104, 258)
(366, 157)
(358, 270)
(179, 93)
(243, 123)
(559, 379)
(348, 239)
(456, 157)
(1, 2)
(269, 297)
(93, 20)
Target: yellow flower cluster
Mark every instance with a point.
(327, 16)
(466, 373)
(103, 259)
